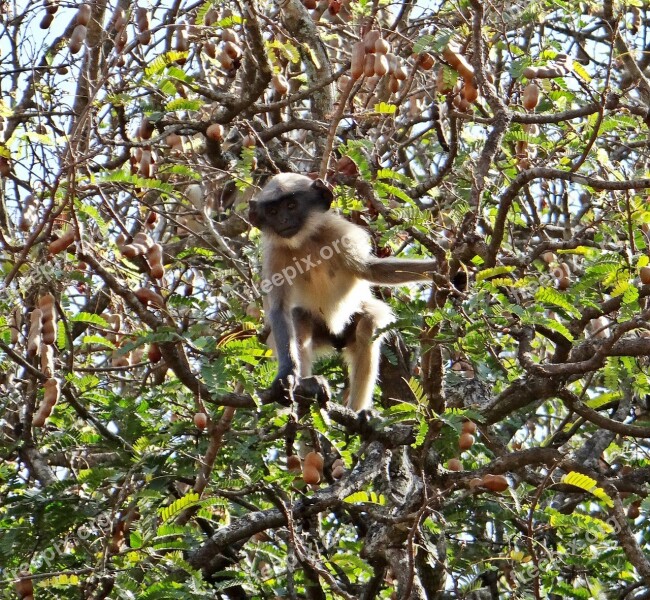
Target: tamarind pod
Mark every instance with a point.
(52, 391)
(530, 97)
(382, 46)
(77, 38)
(280, 83)
(369, 65)
(40, 417)
(48, 334)
(143, 239)
(232, 50)
(450, 55)
(381, 65)
(400, 72)
(530, 72)
(146, 295)
(230, 35)
(154, 256)
(357, 60)
(370, 39)
(47, 360)
(83, 14)
(133, 250)
(64, 242)
(393, 84)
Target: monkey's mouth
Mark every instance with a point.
(288, 232)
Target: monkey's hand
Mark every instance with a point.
(281, 390)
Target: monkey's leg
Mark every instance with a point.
(304, 327)
(363, 352)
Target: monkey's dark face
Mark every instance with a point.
(287, 202)
(285, 216)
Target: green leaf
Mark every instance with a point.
(177, 506)
(384, 108)
(552, 296)
(588, 485)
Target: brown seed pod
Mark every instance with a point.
(15, 324)
(310, 4)
(154, 256)
(370, 39)
(530, 72)
(644, 274)
(65, 241)
(28, 215)
(475, 482)
(357, 60)
(120, 360)
(133, 250)
(495, 483)
(142, 22)
(564, 283)
(393, 84)
(146, 164)
(469, 427)
(215, 132)
(426, 61)
(382, 46)
(24, 586)
(211, 17)
(175, 142)
(51, 391)
(182, 43)
(310, 475)
(48, 335)
(315, 460)
(232, 50)
(146, 295)
(146, 128)
(633, 511)
(369, 65)
(5, 166)
(248, 141)
(34, 333)
(338, 472)
(154, 354)
(83, 14)
(46, 21)
(450, 54)
(293, 464)
(77, 38)
(548, 257)
(200, 420)
(465, 441)
(210, 49)
(230, 35)
(280, 83)
(530, 97)
(143, 239)
(47, 360)
(381, 65)
(120, 41)
(469, 92)
(393, 62)
(226, 62)
(46, 304)
(119, 19)
(400, 72)
(454, 464)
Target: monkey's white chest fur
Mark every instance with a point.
(321, 270)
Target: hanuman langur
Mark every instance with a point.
(318, 270)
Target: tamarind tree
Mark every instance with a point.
(507, 453)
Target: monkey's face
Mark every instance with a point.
(285, 217)
(288, 204)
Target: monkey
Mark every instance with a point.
(317, 276)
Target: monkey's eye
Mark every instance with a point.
(291, 205)
(273, 211)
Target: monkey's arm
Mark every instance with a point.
(395, 271)
(283, 342)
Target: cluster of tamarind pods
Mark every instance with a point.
(40, 341)
(311, 467)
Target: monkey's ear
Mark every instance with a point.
(323, 193)
(253, 214)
